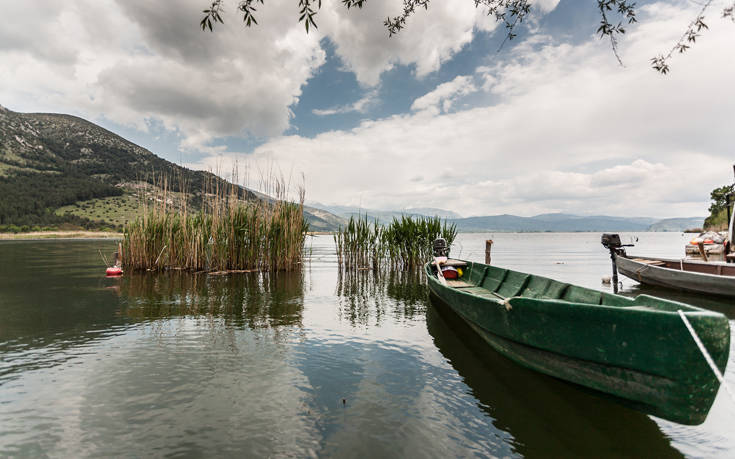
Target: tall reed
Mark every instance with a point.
(410, 240)
(360, 244)
(405, 243)
(226, 233)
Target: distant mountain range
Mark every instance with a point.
(554, 222)
(384, 216)
(678, 224)
(573, 223)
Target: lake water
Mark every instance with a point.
(315, 363)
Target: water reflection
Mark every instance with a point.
(255, 300)
(547, 417)
(258, 364)
(364, 295)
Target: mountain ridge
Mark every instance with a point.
(384, 215)
(554, 222)
(50, 161)
(572, 223)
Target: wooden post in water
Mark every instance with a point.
(702, 252)
(488, 247)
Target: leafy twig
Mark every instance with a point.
(399, 22)
(246, 8)
(212, 15)
(307, 13)
(626, 10)
(729, 12)
(660, 63)
(509, 12)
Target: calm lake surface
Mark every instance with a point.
(315, 363)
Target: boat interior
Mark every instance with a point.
(501, 284)
(718, 269)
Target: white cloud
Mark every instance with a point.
(132, 60)
(135, 61)
(359, 106)
(545, 6)
(441, 99)
(569, 130)
(431, 37)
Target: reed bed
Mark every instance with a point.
(405, 243)
(226, 233)
(360, 244)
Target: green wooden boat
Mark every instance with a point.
(636, 349)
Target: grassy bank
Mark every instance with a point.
(31, 235)
(114, 211)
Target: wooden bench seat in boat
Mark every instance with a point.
(649, 262)
(458, 283)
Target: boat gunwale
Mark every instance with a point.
(673, 260)
(692, 279)
(676, 260)
(685, 308)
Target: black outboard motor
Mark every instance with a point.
(612, 243)
(441, 249)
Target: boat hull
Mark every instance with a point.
(642, 356)
(676, 279)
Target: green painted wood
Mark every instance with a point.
(636, 349)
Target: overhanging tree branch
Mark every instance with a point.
(660, 63)
(509, 12)
(625, 10)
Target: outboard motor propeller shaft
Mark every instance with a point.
(613, 244)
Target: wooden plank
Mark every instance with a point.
(458, 283)
(455, 263)
(649, 262)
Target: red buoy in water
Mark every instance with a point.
(114, 271)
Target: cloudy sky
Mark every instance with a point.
(437, 116)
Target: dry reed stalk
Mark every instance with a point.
(229, 232)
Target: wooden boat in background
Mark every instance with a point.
(636, 349)
(716, 278)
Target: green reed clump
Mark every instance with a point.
(406, 243)
(227, 233)
(410, 240)
(359, 244)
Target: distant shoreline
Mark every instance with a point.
(37, 235)
(40, 235)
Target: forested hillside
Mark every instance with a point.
(717, 219)
(48, 161)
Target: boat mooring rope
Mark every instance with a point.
(706, 355)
